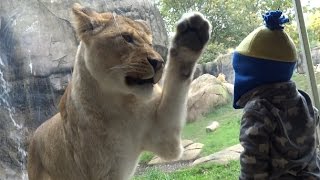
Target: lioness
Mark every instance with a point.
(113, 108)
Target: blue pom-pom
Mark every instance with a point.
(274, 20)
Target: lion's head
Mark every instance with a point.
(117, 50)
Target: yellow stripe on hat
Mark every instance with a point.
(268, 44)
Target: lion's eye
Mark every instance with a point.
(128, 38)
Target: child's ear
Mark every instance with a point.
(86, 21)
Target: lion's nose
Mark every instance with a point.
(156, 63)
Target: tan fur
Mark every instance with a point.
(221, 78)
(105, 121)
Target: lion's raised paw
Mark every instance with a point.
(193, 31)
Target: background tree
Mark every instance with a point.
(232, 20)
(314, 27)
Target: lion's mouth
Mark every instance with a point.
(136, 81)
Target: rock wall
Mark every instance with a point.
(221, 65)
(37, 49)
(206, 93)
(315, 56)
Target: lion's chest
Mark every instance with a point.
(110, 137)
(113, 138)
(108, 149)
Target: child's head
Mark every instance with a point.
(266, 55)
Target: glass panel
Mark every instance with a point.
(38, 45)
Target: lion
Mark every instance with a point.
(114, 108)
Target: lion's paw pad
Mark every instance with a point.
(193, 31)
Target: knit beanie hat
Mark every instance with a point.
(267, 55)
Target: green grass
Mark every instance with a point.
(226, 135)
(210, 171)
(146, 157)
(302, 81)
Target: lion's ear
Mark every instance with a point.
(86, 20)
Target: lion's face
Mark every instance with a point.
(118, 50)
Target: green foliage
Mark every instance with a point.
(292, 31)
(212, 52)
(314, 27)
(233, 20)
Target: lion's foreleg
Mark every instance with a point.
(186, 48)
(171, 111)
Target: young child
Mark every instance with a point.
(279, 121)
